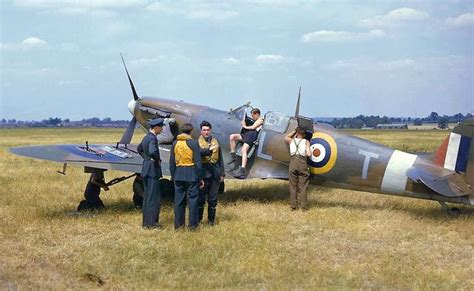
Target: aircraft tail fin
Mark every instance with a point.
(456, 153)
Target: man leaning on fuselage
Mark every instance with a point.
(186, 173)
(151, 174)
(214, 173)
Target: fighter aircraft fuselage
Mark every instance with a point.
(338, 159)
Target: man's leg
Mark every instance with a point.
(151, 202)
(303, 183)
(245, 150)
(179, 203)
(212, 200)
(202, 198)
(193, 193)
(293, 181)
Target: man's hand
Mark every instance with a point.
(201, 184)
(222, 178)
(242, 122)
(213, 148)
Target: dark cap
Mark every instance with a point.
(156, 122)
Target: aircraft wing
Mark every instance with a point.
(109, 157)
(443, 181)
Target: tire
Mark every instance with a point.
(167, 189)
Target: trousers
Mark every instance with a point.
(186, 192)
(151, 201)
(298, 176)
(209, 193)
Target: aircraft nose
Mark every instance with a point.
(131, 106)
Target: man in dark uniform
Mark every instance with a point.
(214, 173)
(92, 192)
(151, 174)
(186, 172)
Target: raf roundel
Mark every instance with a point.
(323, 153)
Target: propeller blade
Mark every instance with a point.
(135, 95)
(128, 134)
(297, 111)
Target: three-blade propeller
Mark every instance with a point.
(128, 134)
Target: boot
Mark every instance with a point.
(239, 173)
(232, 164)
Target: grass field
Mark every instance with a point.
(346, 240)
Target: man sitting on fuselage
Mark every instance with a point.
(247, 138)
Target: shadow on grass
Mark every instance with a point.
(277, 193)
(264, 193)
(433, 212)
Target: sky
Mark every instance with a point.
(394, 58)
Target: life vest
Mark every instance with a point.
(214, 157)
(182, 152)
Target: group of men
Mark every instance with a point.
(196, 168)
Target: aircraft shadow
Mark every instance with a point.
(267, 194)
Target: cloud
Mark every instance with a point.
(231, 61)
(281, 3)
(33, 42)
(214, 14)
(337, 36)
(270, 59)
(461, 21)
(87, 4)
(26, 44)
(97, 8)
(396, 17)
(207, 11)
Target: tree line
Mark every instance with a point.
(371, 121)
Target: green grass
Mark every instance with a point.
(346, 240)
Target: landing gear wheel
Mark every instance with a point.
(138, 191)
(167, 189)
(454, 212)
(221, 188)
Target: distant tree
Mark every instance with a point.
(66, 120)
(459, 117)
(443, 122)
(53, 121)
(417, 121)
(4, 120)
(433, 116)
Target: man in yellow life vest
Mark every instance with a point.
(186, 172)
(214, 173)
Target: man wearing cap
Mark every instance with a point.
(186, 173)
(151, 174)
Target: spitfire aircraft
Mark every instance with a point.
(338, 159)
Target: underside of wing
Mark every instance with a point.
(108, 157)
(443, 181)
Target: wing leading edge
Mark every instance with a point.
(108, 157)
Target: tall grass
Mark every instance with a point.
(346, 240)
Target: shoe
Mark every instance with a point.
(211, 223)
(158, 226)
(232, 164)
(239, 173)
